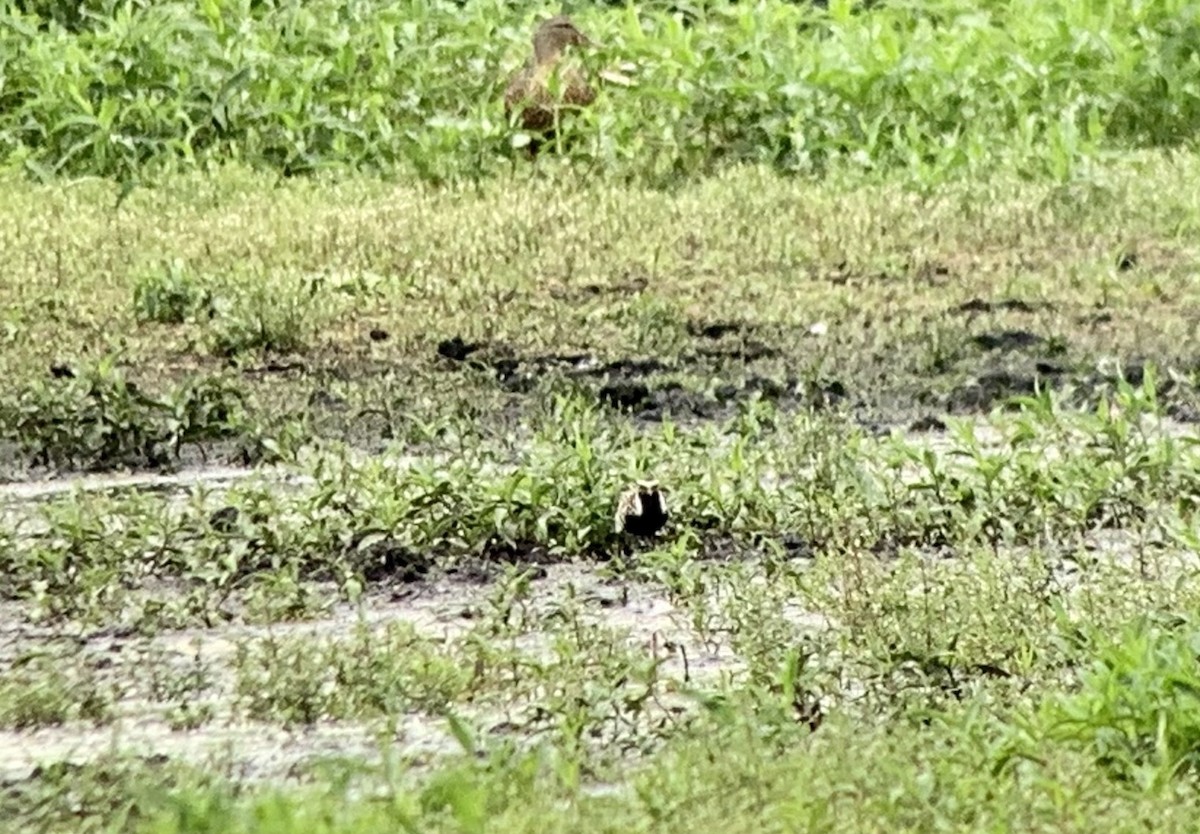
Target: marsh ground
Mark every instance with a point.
(317, 402)
(345, 307)
(928, 455)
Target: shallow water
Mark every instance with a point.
(108, 482)
(439, 610)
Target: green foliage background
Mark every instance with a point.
(118, 88)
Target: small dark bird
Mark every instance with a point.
(529, 91)
(642, 510)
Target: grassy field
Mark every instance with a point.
(319, 400)
(917, 90)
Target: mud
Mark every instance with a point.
(407, 588)
(23, 491)
(724, 363)
(881, 373)
(441, 610)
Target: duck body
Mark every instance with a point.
(546, 88)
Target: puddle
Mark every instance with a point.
(24, 491)
(443, 611)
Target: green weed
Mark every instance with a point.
(126, 89)
(97, 419)
(375, 673)
(170, 295)
(1138, 706)
(40, 689)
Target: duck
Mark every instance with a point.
(528, 91)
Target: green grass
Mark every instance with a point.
(129, 89)
(969, 599)
(51, 688)
(297, 238)
(976, 767)
(374, 673)
(330, 301)
(951, 600)
(1054, 479)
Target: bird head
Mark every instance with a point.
(555, 35)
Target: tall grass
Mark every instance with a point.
(127, 88)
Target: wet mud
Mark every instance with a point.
(878, 372)
(725, 363)
(442, 609)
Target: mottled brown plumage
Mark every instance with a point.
(530, 91)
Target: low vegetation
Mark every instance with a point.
(895, 301)
(129, 88)
(100, 419)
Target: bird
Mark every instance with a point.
(529, 92)
(641, 510)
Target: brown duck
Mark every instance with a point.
(529, 91)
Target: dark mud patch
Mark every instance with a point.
(277, 367)
(1007, 340)
(323, 398)
(977, 306)
(653, 404)
(457, 349)
(714, 330)
(884, 375)
(1184, 412)
(499, 555)
(626, 368)
(723, 342)
(627, 396)
(1082, 387)
(383, 559)
(989, 389)
(645, 386)
(705, 382)
(1178, 397)
(724, 548)
(928, 423)
(721, 362)
(655, 401)
(1049, 369)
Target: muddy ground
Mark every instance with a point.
(989, 350)
(965, 360)
(436, 609)
(439, 606)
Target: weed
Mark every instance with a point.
(949, 88)
(845, 624)
(40, 689)
(97, 419)
(170, 295)
(258, 318)
(376, 673)
(1138, 707)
